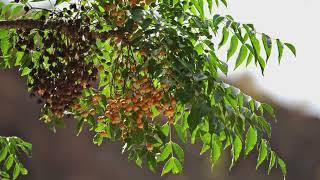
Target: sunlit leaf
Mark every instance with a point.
(280, 50)
(178, 151)
(272, 161)
(225, 37)
(267, 43)
(236, 150)
(283, 167)
(233, 47)
(263, 153)
(242, 56)
(291, 48)
(251, 140)
(216, 149)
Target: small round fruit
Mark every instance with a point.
(84, 114)
(149, 147)
(140, 126)
(100, 119)
(92, 112)
(96, 98)
(135, 108)
(116, 120)
(166, 105)
(122, 126)
(104, 134)
(129, 109)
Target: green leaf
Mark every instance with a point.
(216, 148)
(167, 167)
(97, 139)
(206, 138)
(15, 11)
(177, 167)
(165, 129)
(178, 151)
(3, 174)
(151, 162)
(264, 125)
(256, 46)
(138, 161)
(291, 48)
(233, 47)
(224, 2)
(280, 50)
(210, 5)
(263, 153)
(3, 153)
(217, 20)
(26, 71)
(216, 1)
(167, 150)
(225, 37)
(23, 171)
(242, 56)
(251, 140)
(205, 148)
(6, 9)
(223, 67)
(194, 134)
(268, 109)
(267, 43)
(250, 57)
(283, 167)
(80, 125)
(4, 33)
(201, 6)
(16, 171)
(181, 132)
(236, 150)
(272, 161)
(9, 162)
(262, 64)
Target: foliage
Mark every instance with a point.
(139, 71)
(10, 147)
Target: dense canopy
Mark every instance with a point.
(142, 72)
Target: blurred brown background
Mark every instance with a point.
(63, 156)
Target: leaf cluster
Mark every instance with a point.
(144, 54)
(10, 148)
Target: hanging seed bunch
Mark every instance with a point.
(138, 104)
(62, 70)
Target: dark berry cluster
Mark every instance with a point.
(62, 70)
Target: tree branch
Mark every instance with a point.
(70, 30)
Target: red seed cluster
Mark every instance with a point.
(138, 105)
